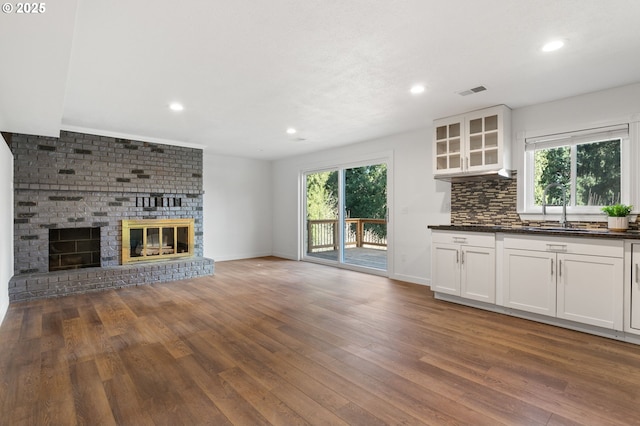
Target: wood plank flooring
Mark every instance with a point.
(270, 341)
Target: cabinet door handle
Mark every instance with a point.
(560, 268)
(462, 258)
(637, 271)
(457, 256)
(552, 267)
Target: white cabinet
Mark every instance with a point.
(530, 281)
(570, 278)
(447, 145)
(478, 273)
(590, 290)
(635, 288)
(472, 143)
(445, 266)
(463, 264)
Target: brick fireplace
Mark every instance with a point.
(81, 181)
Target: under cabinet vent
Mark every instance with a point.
(472, 91)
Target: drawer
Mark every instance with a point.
(478, 239)
(572, 245)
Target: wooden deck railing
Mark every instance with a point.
(322, 234)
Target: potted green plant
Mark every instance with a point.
(618, 217)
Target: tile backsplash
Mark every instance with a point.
(485, 202)
(492, 202)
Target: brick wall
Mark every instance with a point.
(81, 180)
(81, 162)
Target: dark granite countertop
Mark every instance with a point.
(545, 230)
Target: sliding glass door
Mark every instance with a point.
(365, 221)
(322, 232)
(346, 216)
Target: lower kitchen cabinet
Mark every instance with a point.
(464, 265)
(478, 273)
(590, 290)
(591, 284)
(635, 288)
(445, 269)
(530, 279)
(565, 278)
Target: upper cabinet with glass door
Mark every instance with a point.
(472, 143)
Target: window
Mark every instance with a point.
(588, 164)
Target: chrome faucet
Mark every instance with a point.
(563, 218)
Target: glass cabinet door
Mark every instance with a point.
(449, 147)
(483, 141)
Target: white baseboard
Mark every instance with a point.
(288, 256)
(411, 279)
(239, 256)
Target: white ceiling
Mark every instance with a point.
(339, 71)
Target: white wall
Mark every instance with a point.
(569, 114)
(6, 223)
(237, 207)
(418, 200)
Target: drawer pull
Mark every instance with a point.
(459, 240)
(557, 247)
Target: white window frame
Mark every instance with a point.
(627, 133)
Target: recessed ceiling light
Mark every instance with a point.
(175, 106)
(553, 45)
(417, 89)
(291, 130)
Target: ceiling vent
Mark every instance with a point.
(472, 91)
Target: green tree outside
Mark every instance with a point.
(597, 178)
(322, 198)
(365, 195)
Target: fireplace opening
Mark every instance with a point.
(157, 239)
(73, 248)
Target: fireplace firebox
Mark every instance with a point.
(73, 248)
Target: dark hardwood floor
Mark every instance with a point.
(270, 341)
